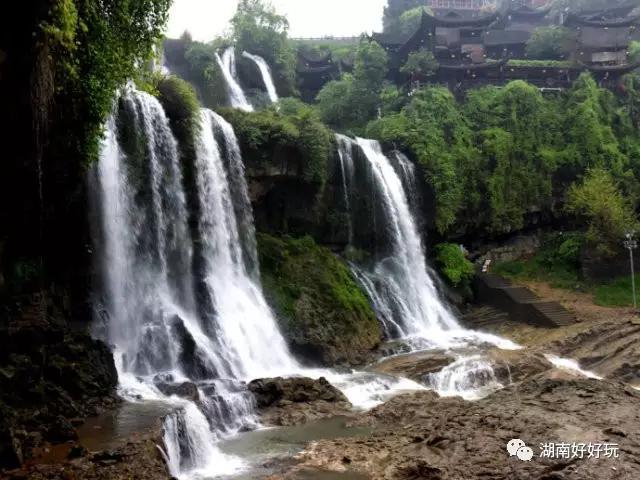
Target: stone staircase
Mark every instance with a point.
(520, 303)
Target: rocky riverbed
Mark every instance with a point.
(420, 435)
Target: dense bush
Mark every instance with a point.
(420, 62)
(608, 213)
(292, 126)
(549, 43)
(453, 264)
(257, 28)
(97, 47)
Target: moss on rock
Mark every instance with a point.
(323, 314)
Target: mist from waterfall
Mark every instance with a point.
(227, 64)
(265, 71)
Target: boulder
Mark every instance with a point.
(272, 391)
(416, 366)
(294, 401)
(186, 390)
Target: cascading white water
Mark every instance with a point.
(187, 316)
(345, 155)
(245, 325)
(401, 280)
(468, 377)
(163, 335)
(227, 64)
(402, 289)
(265, 71)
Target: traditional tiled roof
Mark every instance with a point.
(505, 37)
(598, 38)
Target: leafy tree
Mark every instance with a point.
(97, 47)
(600, 202)
(259, 29)
(395, 10)
(549, 43)
(410, 20)
(634, 51)
(421, 62)
(354, 100)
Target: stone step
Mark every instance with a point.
(520, 303)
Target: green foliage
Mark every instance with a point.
(497, 156)
(318, 301)
(401, 15)
(294, 127)
(259, 29)
(539, 63)
(617, 293)
(453, 264)
(609, 215)
(634, 51)
(557, 263)
(96, 47)
(409, 21)
(421, 62)
(183, 110)
(549, 43)
(353, 100)
(204, 72)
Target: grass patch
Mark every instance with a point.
(617, 293)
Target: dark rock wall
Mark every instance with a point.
(50, 369)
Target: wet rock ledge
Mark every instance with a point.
(294, 401)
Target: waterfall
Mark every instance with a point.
(173, 326)
(345, 155)
(398, 282)
(245, 326)
(227, 64)
(265, 71)
(403, 288)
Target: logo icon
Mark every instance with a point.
(517, 447)
(525, 454)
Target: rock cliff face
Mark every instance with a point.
(50, 377)
(51, 371)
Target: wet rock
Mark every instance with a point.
(467, 440)
(61, 430)
(186, 390)
(194, 363)
(416, 366)
(293, 401)
(296, 390)
(49, 374)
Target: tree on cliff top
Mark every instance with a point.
(354, 100)
(259, 29)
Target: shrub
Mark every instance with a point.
(453, 264)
